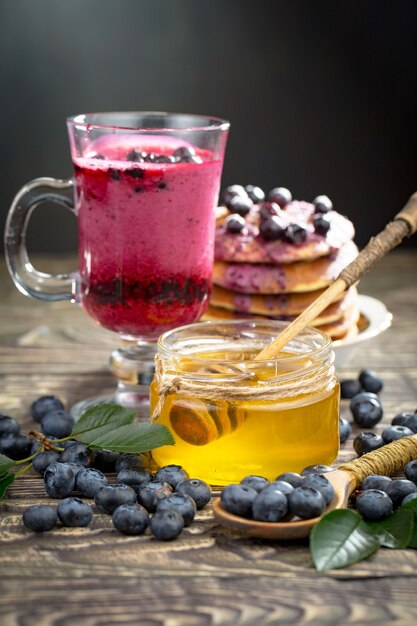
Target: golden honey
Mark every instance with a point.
(232, 416)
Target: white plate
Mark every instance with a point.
(378, 318)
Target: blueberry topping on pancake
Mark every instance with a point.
(280, 195)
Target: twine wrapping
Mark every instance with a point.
(311, 381)
(386, 460)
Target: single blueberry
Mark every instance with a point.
(349, 388)
(238, 499)
(67, 443)
(292, 478)
(345, 430)
(409, 498)
(77, 453)
(40, 517)
(256, 482)
(74, 512)
(57, 423)
(240, 205)
(412, 423)
(398, 489)
(393, 433)
(43, 405)
(294, 233)
(59, 480)
(401, 419)
(135, 155)
(164, 158)
(374, 505)
(256, 194)
(269, 209)
(316, 469)
(370, 381)
(171, 474)
(319, 482)
(130, 519)
(89, 481)
(410, 471)
(271, 229)
(16, 447)
(131, 462)
(282, 485)
(234, 223)
(8, 425)
(322, 204)
(231, 192)
(151, 493)
(150, 157)
(366, 409)
(367, 442)
(105, 460)
(166, 525)
(306, 502)
(134, 478)
(184, 151)
(34, 447)
(197, 489)
(374, 481)
(43, 459)
(184, 505)
(321, 225)
(281, 195)
(270, 505)
(108, 498)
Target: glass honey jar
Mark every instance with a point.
(232, 415)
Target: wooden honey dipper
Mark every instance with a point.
(403, 225)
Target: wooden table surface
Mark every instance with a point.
(207, 577)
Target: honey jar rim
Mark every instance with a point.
(167, 340)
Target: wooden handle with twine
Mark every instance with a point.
(386, 461)
(403, 225)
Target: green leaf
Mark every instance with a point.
(5, 482)
(102, 414)
(411, 506)
(134, 438)
(89, 436)
(5, 464)
(395, 531)
(341, 538)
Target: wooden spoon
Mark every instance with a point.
(387, 460)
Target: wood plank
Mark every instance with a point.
(208, 576)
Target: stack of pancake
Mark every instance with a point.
(272, 260)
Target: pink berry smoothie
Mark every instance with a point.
(145, 206)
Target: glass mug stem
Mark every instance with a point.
(28, 280)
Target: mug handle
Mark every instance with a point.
(27, 279)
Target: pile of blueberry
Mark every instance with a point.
(184, 154)
(367, 411)
(54, 423)
(170, 495)
(378, 496)
(240, 200)
(304, 495)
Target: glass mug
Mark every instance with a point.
(144, 191)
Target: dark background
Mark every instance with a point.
(322, 95)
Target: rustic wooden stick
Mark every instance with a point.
(404, 224)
